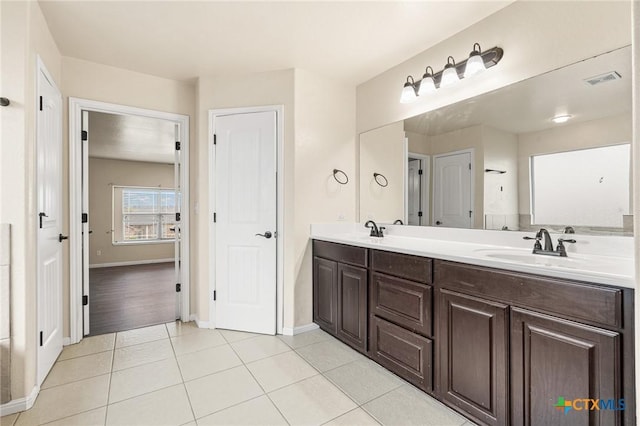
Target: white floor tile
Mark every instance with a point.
(143, 379)
(90, 418)
(305, 339)
(67, 400)
(259, 347)
(168, 406)
(222, 390)
(364, 380)
(132, 356)
(409, 406)
(75, 369)
(328, 355)
(259, 412)
(357, 417)
(208, 361)
(313, 401)
(9, 420)
(141, 335)
(235, 336)
(193, 342)
(281, 370)
(89, 345)
(179, 328)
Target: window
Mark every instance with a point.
(587, 187)
(143, 214)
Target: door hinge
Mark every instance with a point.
(469, 166)
(215, 217)
(85, 300)
(177, 146)
(178, 288)
(419, 171)
(214, 295)
(215, 139)
(177, 217)
(41, 338)
(40, 110)
(85, 135)
(85, 217)
(469, 213)
(419, 214)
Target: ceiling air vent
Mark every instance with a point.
(603, 78)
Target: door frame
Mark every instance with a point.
(472, 187)
(76, 106)
(425, 187)
(213, 113)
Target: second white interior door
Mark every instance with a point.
(452, 197)
(246, 217)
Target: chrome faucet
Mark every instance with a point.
(375, 231)
(398, 222)
(548, 244)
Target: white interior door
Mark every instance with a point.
(414, 192)
(452, 197)
(177, 226)
(245, 215)
(86, 329)
(49, 232)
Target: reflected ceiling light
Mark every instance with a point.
(475, 63)
(562, 118)
(427, 84)
(450, 73)
(408, 91)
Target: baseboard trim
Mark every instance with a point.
(131, 263)
(287, 331)
(20, 404)
(66, 341)
(200, 324)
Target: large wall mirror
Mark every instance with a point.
(551, 151)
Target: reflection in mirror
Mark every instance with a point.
(480, 154)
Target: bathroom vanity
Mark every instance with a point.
(498, 339)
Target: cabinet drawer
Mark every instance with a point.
(581, 301)
(403, 302)
(413, 268)
(341, 253)
(406, 354)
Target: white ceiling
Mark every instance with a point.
(130, 137)
(529, 105)
(350, 41)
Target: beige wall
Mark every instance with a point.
(588, 134)
(89, 80)
(500, 190)
(103, 175)
(635, 150)
(382, 151)
(418, 143)
(23, 34)
(536, 37)
(325, 126)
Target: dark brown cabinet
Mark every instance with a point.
(474, 343)
(553, 358)
(340, 292)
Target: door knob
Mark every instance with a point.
(62, 237)
(438, 222)
(267, 235)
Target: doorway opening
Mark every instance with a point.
(129, 188)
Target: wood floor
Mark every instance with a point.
(127, 297)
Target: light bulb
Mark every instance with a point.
(408, 92)
(475, 63)
(427, 85)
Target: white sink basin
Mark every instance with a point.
(572, 261)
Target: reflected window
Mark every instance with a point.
(143, 214)
(588, 187)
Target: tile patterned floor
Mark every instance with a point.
(178, 374)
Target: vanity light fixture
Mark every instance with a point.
(475, 64)
(427, 84)
(478, 61)
(408, 91)
(558, 119)
(450, 74)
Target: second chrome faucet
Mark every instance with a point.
(548, 250)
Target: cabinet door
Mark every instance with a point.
(559, 360)
(325, 294)
(352, 306)
(473, 362)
